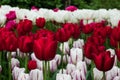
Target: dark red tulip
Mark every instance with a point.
(24, 27)
(63, 35)
(88, 28)
(118, 53)
(25, 44)
(113, 42)
(40, 22)
(32, 65)
(11, 41)
(103, 61)
(45, 46)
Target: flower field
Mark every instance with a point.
(54, 44)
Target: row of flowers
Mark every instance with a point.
(70, 14)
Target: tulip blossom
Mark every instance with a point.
(53, 65)
(40, 22)
(23, 76)
(45, 46)
(71, 8)
(98, 75)
(11, 25)
(65, 47)
(15, 62)
(70, 68)
(11, 15)
(104, 61)
(78, 44)
(36, 74)
(57, 59)
(63, 77)
(76, 55)
(32, 65)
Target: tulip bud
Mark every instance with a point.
(98, 75)
(15, 62)
(63, 77)
(36, 74)
(39, 64)
(53, 65)
(78, 44)
(32, 64)
(64, 71)
(23, 76)
(70, 68)
(65, 58)
(76, 55)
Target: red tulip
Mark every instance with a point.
(11, 15)
(24, 27)
(25, 44)
(32, 65)
(88, 28)
(118, 53)
(103, 61)
(45, 46)
(11, 42)
(63, 35)
(40, 22)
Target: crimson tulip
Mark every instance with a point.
(32, 64)
(11, 15)
(71, 8)
(40, 22)
(118, 53)
(25, 44)
(103, 61)
(24, 27)
(45, 46)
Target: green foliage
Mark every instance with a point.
(51, 4)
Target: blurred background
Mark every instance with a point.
(51, 4)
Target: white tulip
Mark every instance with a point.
(53, 65)
(98, 75)
(23, 76)
(76, 55)
(15, 62)
(70, 68)
(78, 44)
(36, 74)
(63, 77)
(57, 58)
(65, 47)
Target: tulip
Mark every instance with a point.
(76, 55)
(36, 74)
(23, 76)
(40, 22)
(70, 68)
(81, 66)
(104, 61)
(16, 72)
(53, 66)
(78, 44)
(0, 69)
(11, 15)
(63, 77)
(25, 44)
(114, 72)
(14, 62)
(11, 25)
(32, 65)
(98, 75)
(63, 71)
(57, 59)
(24, 27)
(118, 53)
(45, 47)
(66, 49)
(117, 78)
(34, 8)
(71, 8)
(56, 9)
(88, 61)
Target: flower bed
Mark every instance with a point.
(71, 44)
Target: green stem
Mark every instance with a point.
(62, 56)
(9, 59)
(104, 75)
(0, 62)
(43, 63)
(26, 63)
(48, 70)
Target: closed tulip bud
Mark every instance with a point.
(81, 65)
(66, 49)
(11, 25)
(15, 62)
(53, 66)
(32, 65)
(16, 72)
(76, 55)
(40, 22)
(70, 68)
(36, 74)
(23, 76)
(98, 75)
(78, 44)
(11, 15)
(57, 59)
(63, 77)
